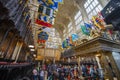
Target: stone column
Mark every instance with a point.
(10, 44)
(68, 60)
(27, 54)
(2, 33)
(44, 56)
(13, 47)
(18, 53)
(22, 53)
(99, 66)
(5, 36)
(15, 53)
(105, 66)
(114, 65)
(54, 52)
(79, 66)
(98, 61)
(10, 48)
(79, 61)
(3, 42)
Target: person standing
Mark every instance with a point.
(69, 77)
(84, 70)
(45, 75)
(42, 74)
(61, 76)
(35, 74)
(92, 71)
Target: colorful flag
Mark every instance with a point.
(64, 44)
(43, 18)
(45, 24)
(60, 1)
(45, 10)
(67, 42)
(43, 36)
(85, 30)
(88, 25)
(50, 2)
(70, 41)
(98, 22)
(54, 4)
(74, 37)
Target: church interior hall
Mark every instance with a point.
(59, 39)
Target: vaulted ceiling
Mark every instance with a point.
(65, 14)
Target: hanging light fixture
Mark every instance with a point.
(31, 46)
(34, 55)
(32, 49)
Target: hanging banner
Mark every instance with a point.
(45, 24)
(70, 41)
(98, 22)
(88, 25)
(45, 11)
(74, 37)
(46, 19)
(41, 41)
(64, 44)
(85, 30)
(60, 1)
(43, 36)
(67, 42)
(49, 3)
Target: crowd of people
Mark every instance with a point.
(67, 72)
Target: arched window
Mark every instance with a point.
(54, 39)
(70, 29)
(78, 20)
(92, 7)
